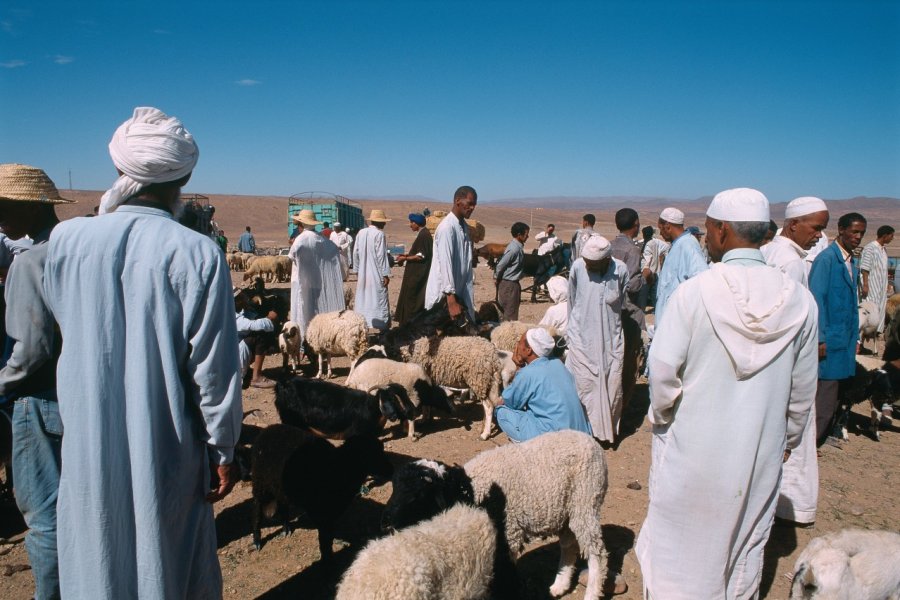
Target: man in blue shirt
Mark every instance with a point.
(509, 272)
(684, 260)
(542, 397)
(247, 243)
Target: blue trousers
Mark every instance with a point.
(37, 442)
(518, 425)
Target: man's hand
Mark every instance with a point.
(385, 281)
(822, 351)
(865, 289)
(227, 476)
(272, 316)
(453, 307)
(787, 455)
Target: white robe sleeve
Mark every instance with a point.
(668, 353)
(443, 262)
(804, 378)
(381, 257)
(213, 366)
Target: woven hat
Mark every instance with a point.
(306, 217)
(378, 215)
(21, 183)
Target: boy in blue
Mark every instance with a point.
(542, 397)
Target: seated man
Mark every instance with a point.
(542, 397)
(256, 339)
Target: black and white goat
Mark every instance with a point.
(338, 412)
(296, 470)
(875, 382)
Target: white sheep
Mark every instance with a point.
(450, 557)
(869, 320)
(283, 265)
(339, 333)
(551, 485)
(380, 371)
(506, 335)
(235, 261)
(461, 362)
(265, 267)
(289, 344)
(853, 564)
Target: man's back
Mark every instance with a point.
(683, 261)
(149, 392)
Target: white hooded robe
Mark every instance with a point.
(370, 260)
(316, 278)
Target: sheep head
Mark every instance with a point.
(422, 489)
(394, 402)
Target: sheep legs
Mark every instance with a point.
(488, 418)
(568, 553)
(596, 574)
(322, 362)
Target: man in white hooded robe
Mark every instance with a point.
(370, 261)
(316, 276)
(594, 334)
(733, 375)
(148, 380)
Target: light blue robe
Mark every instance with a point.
(149, 393)
(541, 398)
(684, 260)
(371, 263)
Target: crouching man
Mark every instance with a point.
(256, 339)
(542, 397)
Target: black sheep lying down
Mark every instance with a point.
(296, 470)
(337, 412)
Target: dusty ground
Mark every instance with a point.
(857, 489)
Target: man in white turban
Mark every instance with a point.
(148, 380)
(542, 397)
(684, 259)
(805, 220)
(594, 334)
(732, 379)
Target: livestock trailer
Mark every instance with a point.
(328, 208)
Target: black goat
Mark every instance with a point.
(542, 268)
(874, 385)
(296, 470)
(338, 412)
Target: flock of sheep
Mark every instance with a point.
(456, 531)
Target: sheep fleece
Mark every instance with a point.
(463, 362)
(449, 557)
(506, 335)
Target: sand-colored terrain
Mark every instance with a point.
(857, 482)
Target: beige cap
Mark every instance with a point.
(378, 215)
(306, 217)
(22, 183)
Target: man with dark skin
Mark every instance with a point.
(451, 275)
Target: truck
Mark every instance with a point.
(328, 208)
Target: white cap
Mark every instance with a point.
(336, 224)
(804, 205)
(558, 288)
(739, 205)
(596, 247)
(540, 341)
(672, 215)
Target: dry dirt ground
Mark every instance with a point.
(857, 482)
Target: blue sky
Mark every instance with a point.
(519, 99)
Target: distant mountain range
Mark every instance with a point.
(572, 202)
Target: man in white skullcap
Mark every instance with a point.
(594, 334)
(542, 397)
(684, 259)
(805, 220)
(148, 380)
(316, 275)
(341, 239)
(732, 379)
(370, 261)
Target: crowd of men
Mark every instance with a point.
(131, 344)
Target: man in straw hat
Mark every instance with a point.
(684, 259)
(149, 387)
(542, 397)
(451, 274)
(27, 198)
(316, 279)
(594, 334)
(370, 261)
(805, 219)
(732, 378)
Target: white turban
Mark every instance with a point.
(672, 215)
(739, 205)
(558, 288)
(150, 147)
(540, 341)
(804, 205)
(596, 247)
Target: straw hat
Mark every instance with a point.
(21, 183)
(306, 217)
(378, 215)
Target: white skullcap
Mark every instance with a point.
(150, 147)
(739, 205)
(540, 341)
(672, 215)
(337, 224)
(558, 288)
(596, 247)
(804, 205)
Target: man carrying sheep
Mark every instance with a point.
(370, 260)
(873, 271)
(732, 379)
(805, 219)
(594, 333)
(149, 389)
(451, 265)
(542, 397)
(316, 276)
